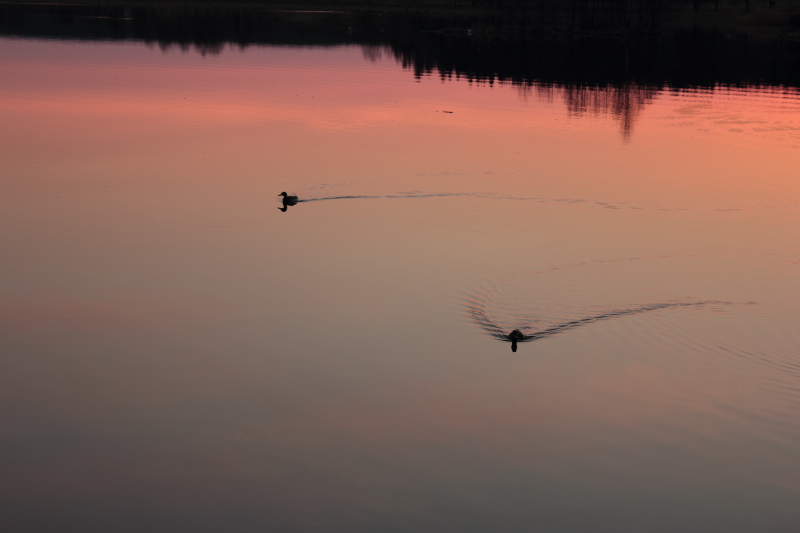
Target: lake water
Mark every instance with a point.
(178, 354)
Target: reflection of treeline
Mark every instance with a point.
(596, 75)
(593, 73)
(623, 101)
(679, 59)
(553, 16)
(468, 45)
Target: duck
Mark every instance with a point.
(287, 201)
(515, 336)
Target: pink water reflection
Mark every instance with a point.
(180, 352)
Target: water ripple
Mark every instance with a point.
(547, 301)
(478, 314)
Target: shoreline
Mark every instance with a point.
(759, 19)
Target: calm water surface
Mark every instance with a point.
(180, 355)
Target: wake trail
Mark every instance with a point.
(478, 315)
(374, 197)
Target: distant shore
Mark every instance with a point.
(758, 18)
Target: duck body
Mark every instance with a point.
(516, 335)
(287, 201)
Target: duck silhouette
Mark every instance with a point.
(515, 336)
(287, 201)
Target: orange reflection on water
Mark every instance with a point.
(722, 150)
(227, 348)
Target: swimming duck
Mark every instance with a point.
(287, 201)
(515, 336)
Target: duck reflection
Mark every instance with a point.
(287, 201)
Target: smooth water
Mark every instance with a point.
(180, 355)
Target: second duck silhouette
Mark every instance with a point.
(287, 201)
(515, 336)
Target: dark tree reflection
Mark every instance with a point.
(625, 102)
